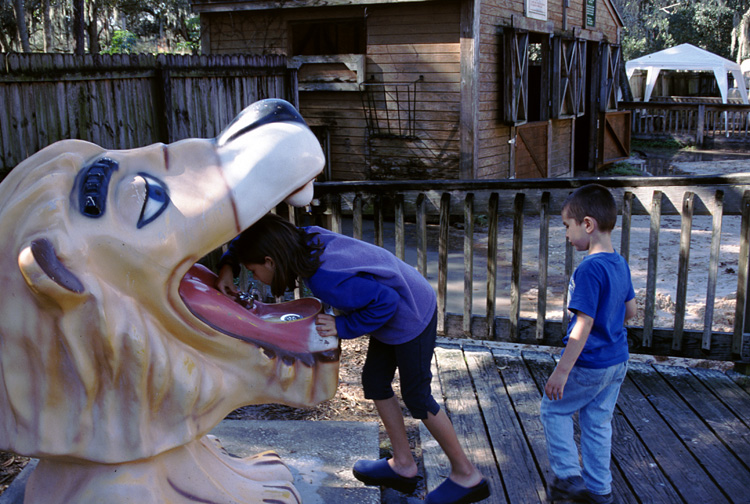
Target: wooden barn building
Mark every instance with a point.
(443, 89)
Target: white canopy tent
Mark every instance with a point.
(687, 57)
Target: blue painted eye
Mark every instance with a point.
(157, 200)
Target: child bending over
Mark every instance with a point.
(376, 294)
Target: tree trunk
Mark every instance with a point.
(47, 26)
(23, 32)
(79, 27)
(743, 46)
(93, 29)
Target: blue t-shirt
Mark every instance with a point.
(600, 287)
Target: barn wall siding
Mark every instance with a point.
(420, 41)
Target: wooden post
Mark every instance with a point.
(699, 133)
(516, 264)
(653, 257)
(378, 220)
(421, 235)
(357, 217)
(742, 310)
(541, 303)
(683, 269)
(468, 261)
(445, 214)
(334, 201)
(569, 256)
(400, 237)
(491, 263)
(713, 269)
(625, 224)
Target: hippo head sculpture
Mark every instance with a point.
(107, 374)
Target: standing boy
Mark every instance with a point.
(592, 367)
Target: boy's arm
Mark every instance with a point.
(630, 309)
(576, 342)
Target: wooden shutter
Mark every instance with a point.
(609, 78)
(515, 76)
(568, 78)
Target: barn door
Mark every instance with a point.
(532, 142)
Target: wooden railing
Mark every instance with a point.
(699, 123)
(423, 218)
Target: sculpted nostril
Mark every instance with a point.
(93, 184)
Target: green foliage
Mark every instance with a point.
(123, 42)
(668, 144)
(707, 25)
(193, 42)
(622, 169)
(653, 25)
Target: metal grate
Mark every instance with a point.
(390, 108)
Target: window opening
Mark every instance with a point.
(535, 79)
(390, 109)
(322, 38)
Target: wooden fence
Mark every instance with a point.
(126, 101)
(407, 209)
(702, 124)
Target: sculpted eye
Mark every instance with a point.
(156, 201)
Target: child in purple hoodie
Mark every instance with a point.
(375, 293)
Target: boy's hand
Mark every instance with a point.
(556, 384)
(326, 325)
(225, 282)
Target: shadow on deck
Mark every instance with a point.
(681, 434)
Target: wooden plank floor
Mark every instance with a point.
(681, 434)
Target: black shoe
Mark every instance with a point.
(593, 498)
(379, 473)
(449, 492)
(572, 488)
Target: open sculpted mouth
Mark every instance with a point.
(285, 329)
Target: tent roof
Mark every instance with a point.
(687, 57)
(682, 57)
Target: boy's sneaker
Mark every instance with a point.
(593, 498)
(572, 488)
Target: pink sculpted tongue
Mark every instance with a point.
(286, 326)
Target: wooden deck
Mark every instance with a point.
(681, 434)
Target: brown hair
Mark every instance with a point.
(595, 201)
(291, 248)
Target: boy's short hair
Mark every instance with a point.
(592, 200)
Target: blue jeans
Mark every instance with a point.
(593, 394)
